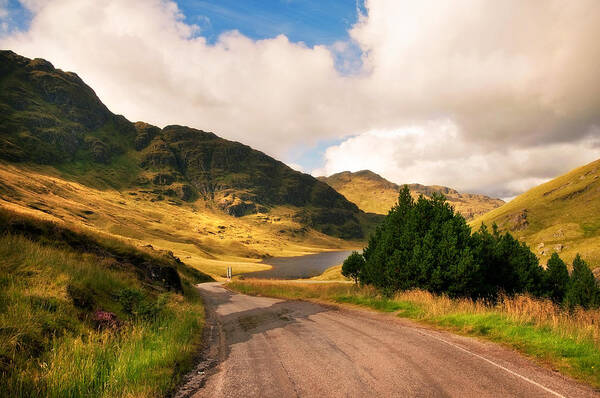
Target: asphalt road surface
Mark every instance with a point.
(264, 347)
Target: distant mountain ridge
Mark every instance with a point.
(51, 117)
(373, 193)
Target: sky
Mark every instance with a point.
(480, 95)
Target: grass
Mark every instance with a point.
(201, 236)
(205, 238)
(331, 274)
(569, 342)
(562, 214)
(50, 343)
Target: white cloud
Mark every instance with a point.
(510, 76)
(437, 154)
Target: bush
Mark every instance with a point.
(353, 266)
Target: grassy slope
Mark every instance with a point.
(66, 157)
(51, 283)
(562, 212)
(539, 329)
(201, 236)
(373, 193)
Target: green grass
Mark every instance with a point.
(577, 357)
(50, 344)
(120, 173)
(569, 342)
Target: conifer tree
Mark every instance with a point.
(583, 289)
(556, 278)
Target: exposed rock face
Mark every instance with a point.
(158, 156)
(145, 133)
(243, 181)
(519, 220)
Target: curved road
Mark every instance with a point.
(264, 347)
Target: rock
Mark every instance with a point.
(540, 245)
(158, 155)
(558, 248)
(145, 133)
(237, 207)
(40, 64)
(519, 220)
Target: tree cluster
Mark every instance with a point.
(424, 244)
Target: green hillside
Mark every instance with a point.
(51, 117)
(373, 193)
(83, 315)
(562, 215)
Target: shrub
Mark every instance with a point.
(353, 266)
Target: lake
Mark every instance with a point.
(300, 266)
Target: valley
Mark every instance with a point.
(205, 238)
(116, 237)
(213, 202)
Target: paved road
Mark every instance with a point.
(266, 347)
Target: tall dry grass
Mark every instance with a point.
(521, 309)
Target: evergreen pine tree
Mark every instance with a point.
(556, 279)
(582, 289)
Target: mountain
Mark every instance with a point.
(65, 157)
(51, 117)
(562, 215)
(373, 193)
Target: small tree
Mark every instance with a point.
(582, 289)
(353, 266)
(556, 279)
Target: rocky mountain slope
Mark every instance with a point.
(51, 117)
(373, 193)
(562, 215)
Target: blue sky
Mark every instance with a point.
(309, 21)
